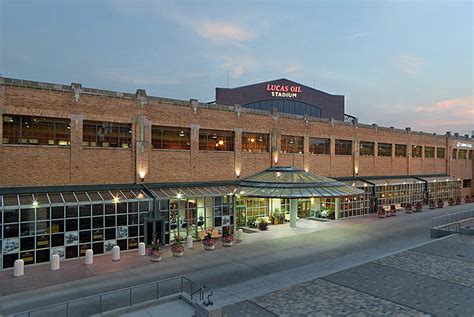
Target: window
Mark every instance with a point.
(440, 152)
(400, 150)
(384, 149)
(29, 130)
(366, 149)
(429, 151)
(170, 138)
(343, 147)
(462, 154)
(416, 151)
(319, 146)
(286, 106)
(292, 144)
(255, 142)
(466, 183)
(455, 154)
(107, 134)
(215, 140)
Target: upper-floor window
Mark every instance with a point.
(440, 152)
(343, 147)
(384, 149)
(106, 134)
(286, 106)
(255, 142)
(33, 130)
(462, 155)
(366, 148)
(416, 150)
(455, 154)
(319, 146)
(400, 150)
(429, 151)
(170, 138)
(216, 140)
(292, 144)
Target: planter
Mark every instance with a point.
(209, 247)
(178, 254)
(227, 244)
(156, 258)
(380, 215)
(440, 205)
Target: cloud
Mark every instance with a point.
(220, 31)
(409, 64)
(456, 114)
(357, 35)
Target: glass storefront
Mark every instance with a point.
(36, 226)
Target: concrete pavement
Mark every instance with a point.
(337, 246)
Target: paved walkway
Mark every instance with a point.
(436, 278)
(328, 248)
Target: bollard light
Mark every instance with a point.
(89, 256)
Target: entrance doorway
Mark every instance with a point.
(153, 231)
(304, 209)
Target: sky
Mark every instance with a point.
(398, 63)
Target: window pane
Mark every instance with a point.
(292, 144)
(215, 140)
(319, 146)
(366, 149)
(343, 147)
(107, 134)
(171, 138)
(440, 152)
(416, 151)
(255, 142)
(429, 151)
(400, 150)
(384, 149)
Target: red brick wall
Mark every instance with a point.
(33, 165)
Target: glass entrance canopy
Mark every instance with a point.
(290, 182)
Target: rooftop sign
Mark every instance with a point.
(464, 145)
(284, 91)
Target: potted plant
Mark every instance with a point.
(418, 206)
(467, 199)
(177, 247)
(451, 201)
(208, 241)
(440, 203)
(380, 212)
(432, 204)
(393, 210)
(262, 223)
(281, 216)
(252, 222)
(276, 216)
(227, 239)
(154, 252)
(408, 208)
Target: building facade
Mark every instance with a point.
(86, 168)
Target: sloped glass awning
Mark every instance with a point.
(394, 181)
(290, 182)
(441, 178)
(14, 201)
(192, 191)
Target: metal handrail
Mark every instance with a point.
(442, 222)
(130, 289)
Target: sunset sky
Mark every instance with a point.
(399, 63)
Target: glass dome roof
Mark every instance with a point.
(290, 182)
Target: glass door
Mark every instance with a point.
(241, 214)
(304, 209)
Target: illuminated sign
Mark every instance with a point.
(284, 91)
(464, 145)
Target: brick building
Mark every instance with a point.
(60, 139)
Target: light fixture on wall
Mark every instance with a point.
(181, 133)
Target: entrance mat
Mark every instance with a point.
(248, 230)
(318, 219)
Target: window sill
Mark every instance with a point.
(212, 151)
(171, 150)
(37, 146)
(104, 148)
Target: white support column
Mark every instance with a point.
(337, 211)
(293, 212)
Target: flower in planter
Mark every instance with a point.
(227, 238)
(208, 240)
(154, 251)
(177, 247)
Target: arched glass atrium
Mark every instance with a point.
(286, 106)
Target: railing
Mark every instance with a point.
(124, 298)
(451, 222)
